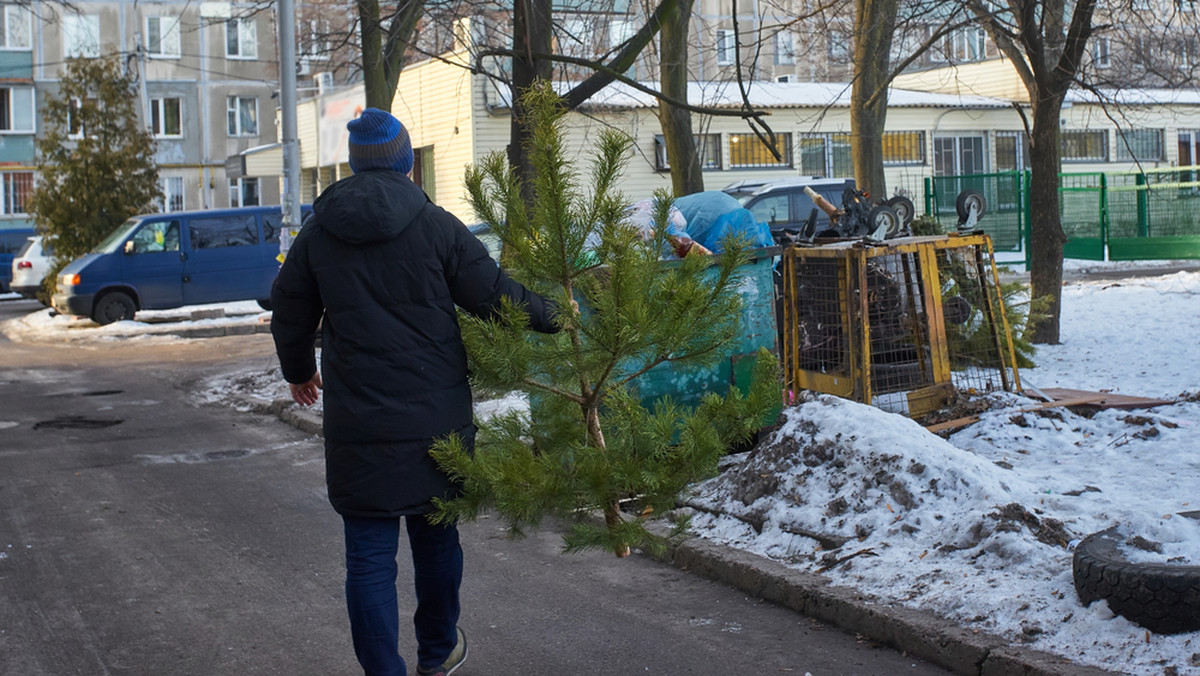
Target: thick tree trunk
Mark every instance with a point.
(875, 22)
(375, 84)
(531, 35)
(686, 176)
(1046, 249)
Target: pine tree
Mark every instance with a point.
(589, 444)
(95, 160)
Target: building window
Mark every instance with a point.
(81, 35)
(1012, 151)
(1081, 145)
(15, 33)
(162, 36)
(970, 44)
(243, 192)
(171, 198)
(826, 155)
(708, 146)
(620, 31)
(574, 39)
(1100, 53)
(785, 48)
(726, 47)
(747, 151)
(903, 148)
(15, 187)
(16, 110)
(74, 119)
(839, 46)
(241, 38)
(166, 117)
(314, 40)
(1143, 145)
(242, 116)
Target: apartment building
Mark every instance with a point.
(207, 74)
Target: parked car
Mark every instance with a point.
(30, 266)
(783, 205)
(11, 241)
(160, 261)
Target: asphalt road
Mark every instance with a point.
(143, 532)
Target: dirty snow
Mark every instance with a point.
(975, 527)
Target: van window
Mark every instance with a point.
(223, 231)
(271, 224)
(772, 209)
(156, 237)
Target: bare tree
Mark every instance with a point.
(1047, 42)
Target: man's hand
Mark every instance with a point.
(306, 393)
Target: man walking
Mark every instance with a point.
(380, 269)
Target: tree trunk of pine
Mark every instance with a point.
(612, 511)
(375, 85)
(686, 176)
(531, 35)
(875, 22)
(1046, 233)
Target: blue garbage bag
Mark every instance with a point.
(713, 215)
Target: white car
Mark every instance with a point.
(30, 267)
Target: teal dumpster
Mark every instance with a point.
(687, 384)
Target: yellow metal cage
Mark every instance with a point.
(900, 324)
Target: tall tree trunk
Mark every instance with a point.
(686, 176)
(532, 34)
(375, 83)
(875, 21)
(1046, 233)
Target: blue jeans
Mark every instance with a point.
(371, 547)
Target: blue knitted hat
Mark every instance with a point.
(379, 141)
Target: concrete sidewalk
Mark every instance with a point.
(914, 632)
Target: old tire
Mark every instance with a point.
(903, 207)
(1160, 597)
(883, 222)
(967, 199)
(113, 306)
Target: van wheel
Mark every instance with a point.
(264, 303)
(114, 306)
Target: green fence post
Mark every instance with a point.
(1027, 214)
(1104, 216)
(929, 199)
(1143, 205)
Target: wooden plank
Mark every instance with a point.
(1111, 399)
(1091, 399)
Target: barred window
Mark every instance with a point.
(1082, 145)
(903, 147)
(707, 145)
(748, 151)
(15, 187)
(826, 155)
(1142, 144)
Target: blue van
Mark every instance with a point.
(160, 261)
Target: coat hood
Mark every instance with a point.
(373, 206)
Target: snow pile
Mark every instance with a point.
(978, 528)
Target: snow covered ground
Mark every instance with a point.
(944, 525)
(971, 527)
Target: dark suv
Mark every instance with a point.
(782, 204)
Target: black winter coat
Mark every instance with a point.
(384, 268)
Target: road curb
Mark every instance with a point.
(914, 632)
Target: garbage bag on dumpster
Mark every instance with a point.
(713, 215)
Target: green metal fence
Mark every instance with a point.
(1152, 214)
(1006, 218)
